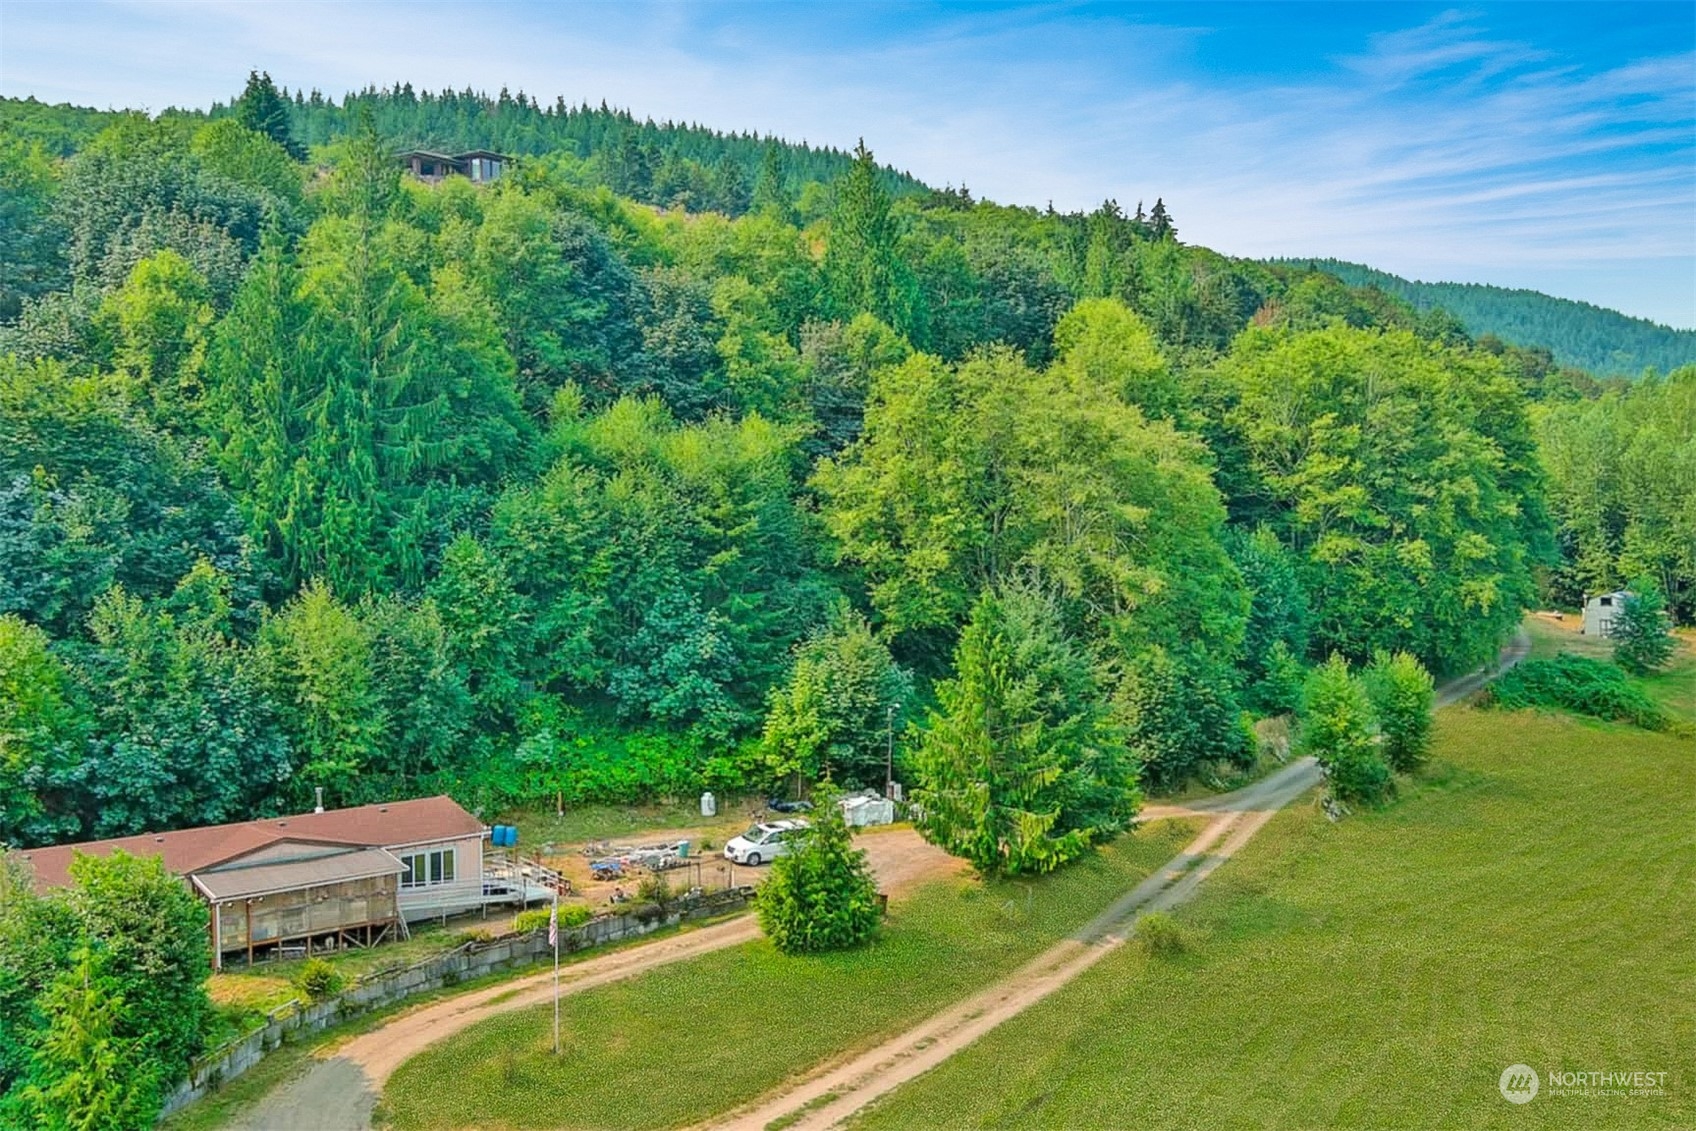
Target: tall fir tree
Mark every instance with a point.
(863, 268)
(263, 109)
(771, 186)
(1160, 222)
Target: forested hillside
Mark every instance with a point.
(1578, 334)
(312, 475)
(609, 480)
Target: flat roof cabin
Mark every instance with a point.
(480, 165)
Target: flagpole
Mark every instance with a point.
(554, 931)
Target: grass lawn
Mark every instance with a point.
(690, 1040)
(1532, 900)
(539, 825)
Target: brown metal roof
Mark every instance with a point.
(187, 851)
(240, 883)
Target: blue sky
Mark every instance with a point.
(1545, 145)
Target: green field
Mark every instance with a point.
(692, 1039)
(1533, 901)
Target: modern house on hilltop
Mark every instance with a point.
(346, 876)
(481, 165)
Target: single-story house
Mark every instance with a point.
(1600, 609)
(326, 877)
(480, 165)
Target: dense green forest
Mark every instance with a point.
(1578, 334)
(312, 475)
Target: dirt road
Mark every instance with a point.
(337, 1093)
(829, 1097)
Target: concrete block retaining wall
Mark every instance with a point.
(295, 1019)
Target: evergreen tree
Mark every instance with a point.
(86, 1075)
(263, 109)
(730, 186)
(820, 895)
(771, 187)
(1019, 769)
(863, 268)
(1643, 639)
(1160, 222)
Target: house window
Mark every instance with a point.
(426, 868)
(1607, 602)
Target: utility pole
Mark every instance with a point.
(889, 757)
(553, 940)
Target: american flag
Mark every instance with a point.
(553, 925)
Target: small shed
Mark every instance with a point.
(1600, 609)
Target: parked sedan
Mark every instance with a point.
(762, 843)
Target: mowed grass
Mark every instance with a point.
(1531, 901)
(689, 1040)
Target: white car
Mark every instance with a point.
(762, 843)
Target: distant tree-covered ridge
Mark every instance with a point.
(1603, 341)
(664, 163)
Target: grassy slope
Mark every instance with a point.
(1530, 901)
(687, 1041)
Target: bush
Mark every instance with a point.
(1179, 718)
(317, 980)
(1162, 936)
(1402, 693)
(820, 895)
(1336, 728)
(1582, 686)
(536, 919)
(654, 888)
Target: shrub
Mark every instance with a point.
(820, 895)
(1582, 686)
(1336, 728)
(318, 980)
(536, 919)
(1402, 693)
(654, 888)
(1162, 936)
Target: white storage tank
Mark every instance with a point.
(709, 805)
